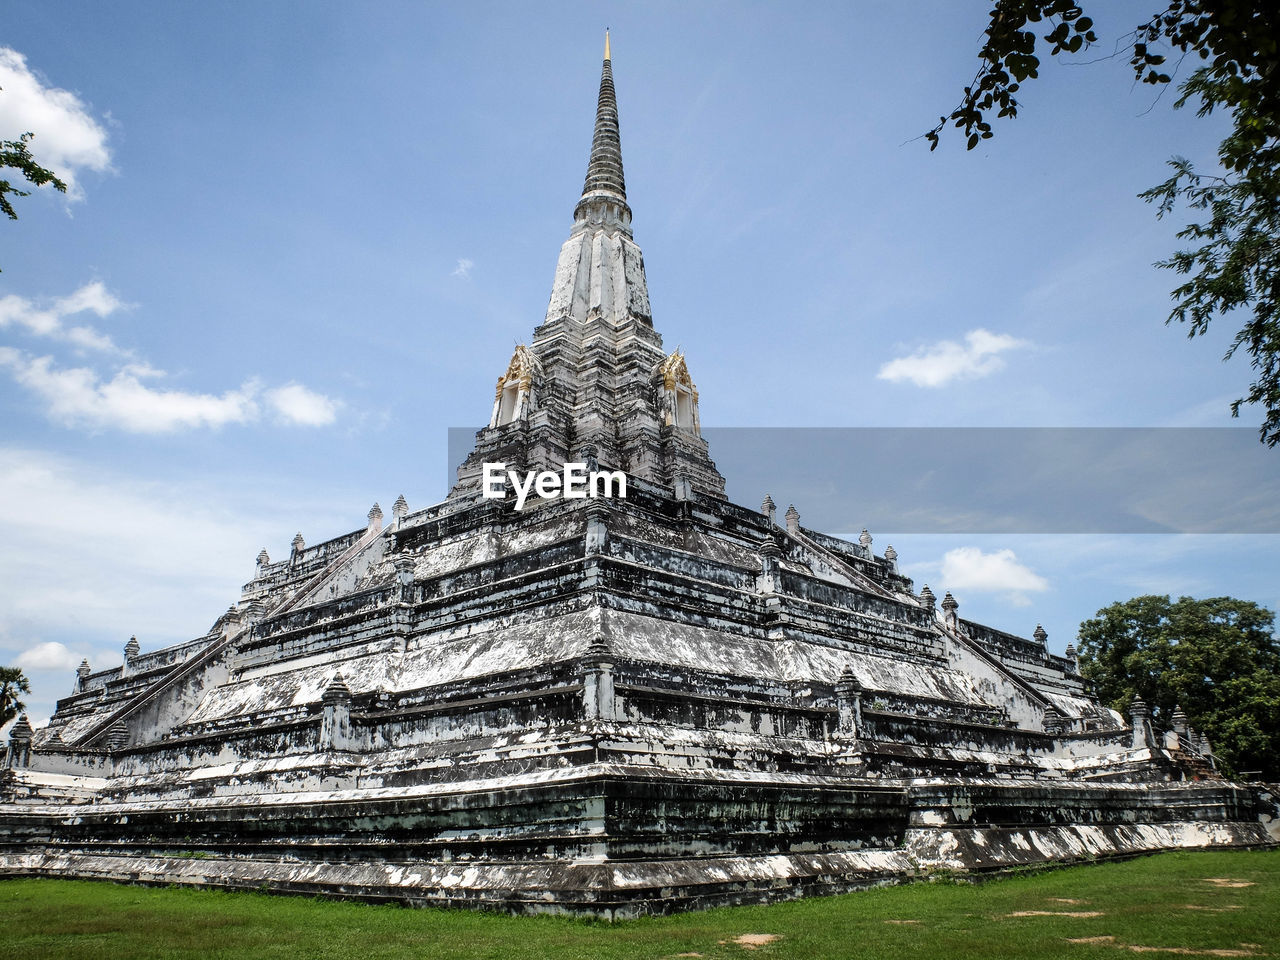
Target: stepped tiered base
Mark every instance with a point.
(609, 708)
(613, 840)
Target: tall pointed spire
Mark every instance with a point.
(595, 382)
(604, 169)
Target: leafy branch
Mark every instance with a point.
(1237, 263)
(15, 154)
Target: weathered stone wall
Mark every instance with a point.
(615, 841)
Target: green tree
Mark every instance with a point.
(15, 155)
(1217, 658)
(1236, 264)
(12, 683)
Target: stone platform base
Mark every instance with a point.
(635, 888)
(618, 842)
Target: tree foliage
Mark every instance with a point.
(1217, 658)
(12, 683)
(15, 155)
(1237, 262)
(1236, 265)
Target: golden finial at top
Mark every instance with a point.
(606, 44)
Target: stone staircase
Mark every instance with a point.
(100, 733)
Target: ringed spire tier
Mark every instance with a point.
(605, 181)
(595, 383)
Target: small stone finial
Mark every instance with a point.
(406, 567)
(400, 509)
(1139, 715)
(82, 676)
(768, 508)
(599, 649)
(298, 542)
(1040, 634)
(793, 519)
(770, 556)
(1071, 651)
(337, 691)
(848, 703)
(1053, 721)
(335, 721)
(864, 538)
(890, 554)
(132, 648)
(117, 736)
(263, 557)
(19, 755)
(1179, 719)
(849, 679)
(229, 622)
(768, 547)
(22, 729)
(375, 516)
(927, 599)
(949, 608)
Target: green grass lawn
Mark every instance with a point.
(1191, 904)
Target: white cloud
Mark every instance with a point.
(92, 296)
(82, 396)
(67, 139)
(47, 321)
(463, 269)
(87, 550)
(947, 360)
(295, 404)
(48, 656)
(76, 396)
(92, 556)
(969, 568)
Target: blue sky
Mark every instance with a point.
(303, 238)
